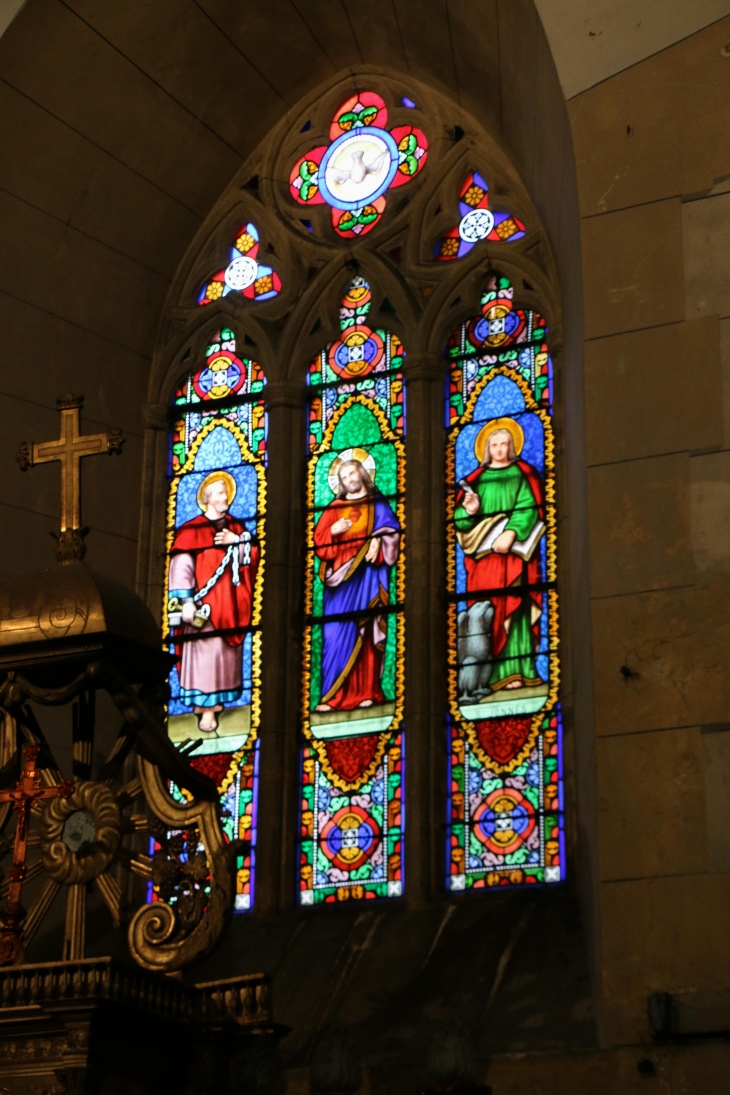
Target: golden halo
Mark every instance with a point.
(217, 477)
(361, 455)
(508, 424)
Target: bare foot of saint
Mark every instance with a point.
(513, 684)
(366, 703)
(323, 707)
(208, 719)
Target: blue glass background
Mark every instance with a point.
(219, 450)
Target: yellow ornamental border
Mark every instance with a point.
(551, 567)
(256, 608)
(384, 737)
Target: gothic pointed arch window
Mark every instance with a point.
(352, 758)
(506, 811)
(215, 548)
(356, 195)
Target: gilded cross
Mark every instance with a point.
(27, 791)
(69, 450)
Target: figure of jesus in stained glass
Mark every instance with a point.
(352, 757)
(357, 541)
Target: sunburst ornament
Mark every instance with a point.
(478, 222)
(362, 162)
(244, 273)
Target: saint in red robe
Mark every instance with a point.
(211, 670)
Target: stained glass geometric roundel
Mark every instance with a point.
(243, 273)
(363, 161)
(478, 222)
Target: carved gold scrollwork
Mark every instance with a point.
(158, 936)
(56, 619)
(74, 868)
(81, 839)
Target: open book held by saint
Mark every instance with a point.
(499, 524)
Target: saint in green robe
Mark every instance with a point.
(513, 493)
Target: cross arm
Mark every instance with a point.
(18, 795)
(68, 450)
(60, 790)
(45, 452)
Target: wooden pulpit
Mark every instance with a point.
(101, 1024)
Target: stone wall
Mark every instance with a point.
(653, 168)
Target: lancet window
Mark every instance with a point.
(352, 756)
(214, 582)
(505, 825)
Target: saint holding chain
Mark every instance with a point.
(212, 578)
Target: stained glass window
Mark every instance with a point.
(214, 582)
(505, 820)
(478, 222)
(361, 163)
(244, 273)
(352, 758)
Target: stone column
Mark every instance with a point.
(282, 630)
(425, 627)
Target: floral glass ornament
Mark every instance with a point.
(478, 222)
(244, 273)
